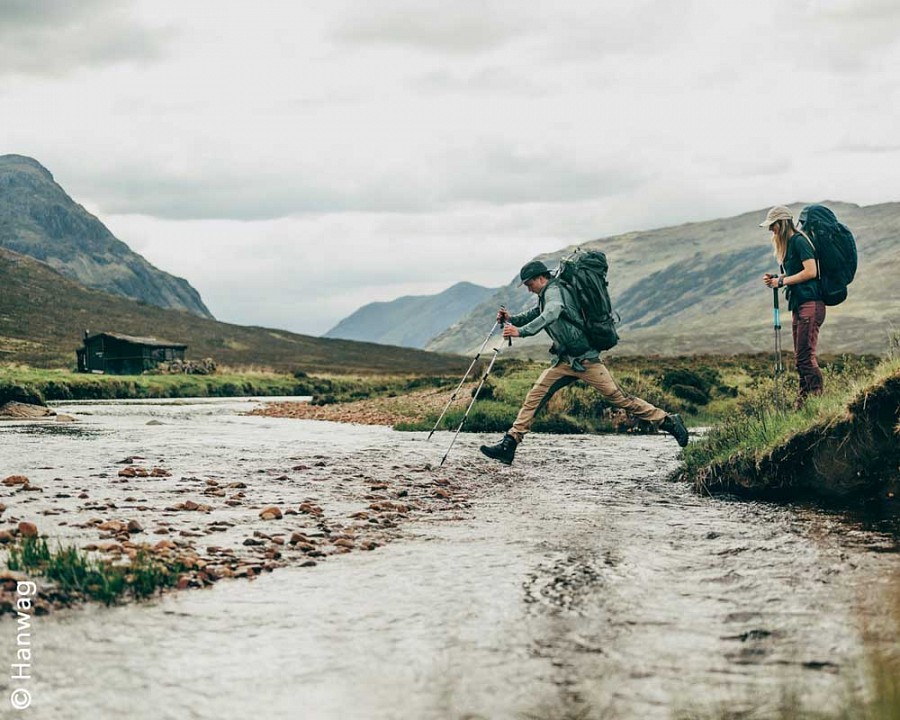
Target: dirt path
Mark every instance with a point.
(411, 407)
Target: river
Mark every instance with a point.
(578, 583)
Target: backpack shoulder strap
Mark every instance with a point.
(815, 254)
(812, 245)
(569, 298)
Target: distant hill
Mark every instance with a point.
(696, 288)
(413, 320)
(43, 316)
(37, 218)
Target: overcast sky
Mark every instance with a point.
(295, 160)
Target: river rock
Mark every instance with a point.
(271, 513)
(113, 526)
(15, 480)
(23, 411)
(27, 529)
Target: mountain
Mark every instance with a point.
(413, 320)
(697, 288)
(39, 219)
(44, 315)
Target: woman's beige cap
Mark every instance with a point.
(779, 212)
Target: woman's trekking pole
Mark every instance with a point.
(474, 398)
(779, 367)
(461, 382)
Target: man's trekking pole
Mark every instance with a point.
(474, 398)
(506, 314)
(453, 397)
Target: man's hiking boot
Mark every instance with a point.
(504, 451)
(674, 425)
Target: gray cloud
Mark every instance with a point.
(490, 81)
(848, 35)
(456, 28)
(501, 175)
(56, 37)
(868, 148)
(243, 194)
(491, 173)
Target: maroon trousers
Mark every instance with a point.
(807, 319)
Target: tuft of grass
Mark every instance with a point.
(76, 573)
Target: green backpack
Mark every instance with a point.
(585, 273)
(835, 248)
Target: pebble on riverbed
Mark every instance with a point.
(373, 501)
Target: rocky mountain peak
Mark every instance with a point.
(38, 218)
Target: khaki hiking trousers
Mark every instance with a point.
(597, 376)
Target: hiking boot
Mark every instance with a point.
(674, 425)
(504, 451)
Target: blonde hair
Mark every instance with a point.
(784, 231)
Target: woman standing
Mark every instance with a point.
(799, 274)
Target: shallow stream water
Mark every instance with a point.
(579, 582)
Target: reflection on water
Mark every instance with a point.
(580, 583)
(51, 428)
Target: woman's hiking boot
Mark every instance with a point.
(674, 425)
(504, 451)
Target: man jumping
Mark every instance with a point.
(575, 360)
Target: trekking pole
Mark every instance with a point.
(779, 366)
(461, 382)
(474, 398)
(509, 339)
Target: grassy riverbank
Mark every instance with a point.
(844, 443)
(36, 385)
(704, 389)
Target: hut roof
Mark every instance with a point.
(151, 341)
